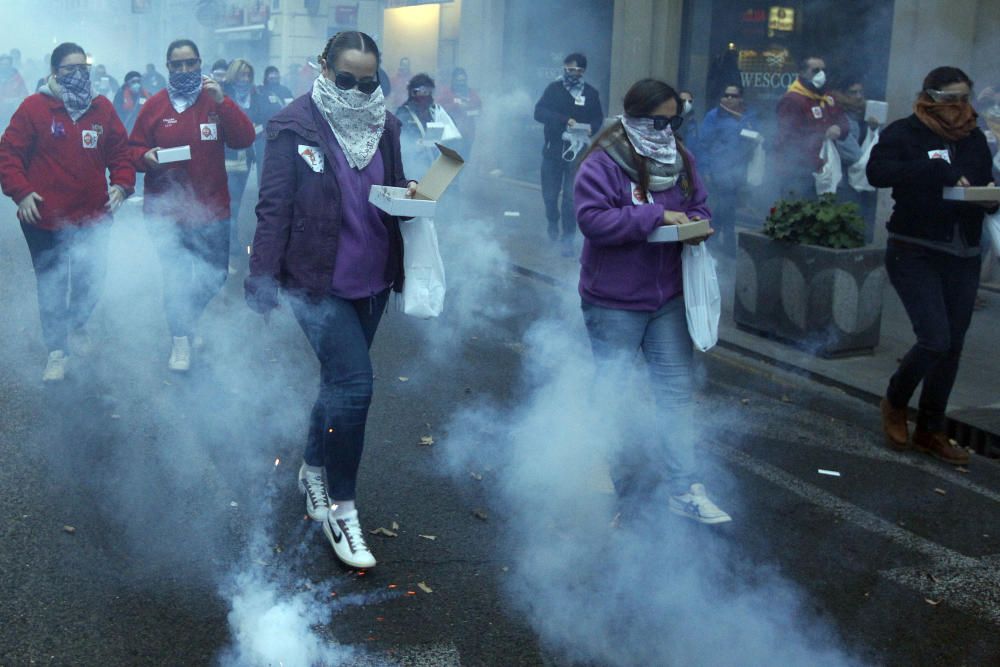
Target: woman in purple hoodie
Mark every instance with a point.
(636, 177)
(336, 257)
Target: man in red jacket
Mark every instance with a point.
(54, 157)
(806, 118)
(187, 201)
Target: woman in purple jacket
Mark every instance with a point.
(636, 177)
(336, 257)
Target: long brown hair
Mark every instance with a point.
(641, 100)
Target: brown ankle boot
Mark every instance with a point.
(938, 445)
(897, 434)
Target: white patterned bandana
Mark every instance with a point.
(357, 119)
(659, 145)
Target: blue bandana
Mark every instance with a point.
(76, 92)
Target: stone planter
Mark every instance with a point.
(826, 301)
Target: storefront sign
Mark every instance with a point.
(767, 79)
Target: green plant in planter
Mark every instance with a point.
(824, 222)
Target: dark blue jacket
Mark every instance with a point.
(298, 213)
(723, 153)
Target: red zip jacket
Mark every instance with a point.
(44, 151)
(195, 191)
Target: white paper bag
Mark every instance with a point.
(829, 177)
(755, 170)
(702, 299)
(451, 132)
(857, 177)
(991, 225)
(424, 283)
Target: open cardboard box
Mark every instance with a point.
(981, 193)
(423, 204)
(676, 233)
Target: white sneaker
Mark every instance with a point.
(695, 505)
(312, 486)
(55, 367)
(180, 355)
(348, 540)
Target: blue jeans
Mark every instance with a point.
(662, 336)
(938, 291)
(340, 332)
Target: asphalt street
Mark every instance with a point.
(133, 498)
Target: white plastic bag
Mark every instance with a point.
(451, 132)
(991, 225)
(702, 300)
(755, 170)
(424, 283)
(829, 177)
(857, 177)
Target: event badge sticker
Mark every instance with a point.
(89, 138)
(939, 154)
(313, 157)
(580, 101)
(817, 112)
(637, 196)
(209, 132)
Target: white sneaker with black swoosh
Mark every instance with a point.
(313, 487)
(348, 540)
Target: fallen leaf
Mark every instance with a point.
(931, 602)
(428, 537)
(425, 588)
(745, 401)
(234, 504)
(395, 525)
(426, 440)
(940, 491)
(962, 470)
(69, 529)
(480, 514)
(476, 476)
(785, 398)
(384, 531)
(403, 378)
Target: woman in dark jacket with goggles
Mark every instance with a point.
(933, 255)
(337, 258)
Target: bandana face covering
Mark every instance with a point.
(953, 121)
(573, 83)
(76, 92)
(357, 119)
(184, 88)
(658, 145)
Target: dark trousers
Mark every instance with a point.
(195, 261)
(724, 200)
(237, 186)
(340, 332)
(557, 184)
(938, 291)
(70, 266)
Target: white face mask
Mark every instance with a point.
(688, 107)
(819, 80)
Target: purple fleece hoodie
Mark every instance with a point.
(619, 268)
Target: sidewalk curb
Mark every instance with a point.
(965, 433)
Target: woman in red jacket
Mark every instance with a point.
(187, 201)
(53, 162)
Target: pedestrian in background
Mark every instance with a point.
(130, 99)
(239, 86)
(637, 177)
(567, 102)
(464, 106)
(849, 94)
(337, 258)
(807, 117)
(419, 151)
(272, 98)
(12, 88)
(725, 155)
(152, 80)
(933, 255)
(187, 202)
(54, 157)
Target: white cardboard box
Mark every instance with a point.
(423, 204)
(877, 110)
(675, 233)
(983, 193)
(176, 154)
(752, 135)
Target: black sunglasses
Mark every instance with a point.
(661, 122)
(346, 81)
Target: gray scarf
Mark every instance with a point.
(661, 176)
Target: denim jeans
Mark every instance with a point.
(938, 291)
(195, 261)
(70, 266)
(340, 332)
(557, 177)
(662, 336)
